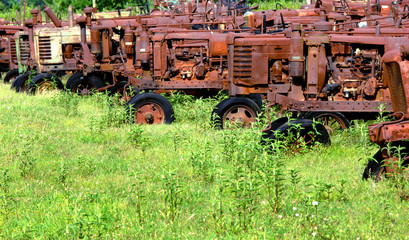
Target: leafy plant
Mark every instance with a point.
(172, 195)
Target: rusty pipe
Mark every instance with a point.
(87, 58)
(25, 7)
(297, 52)
(144, 44)
(31, 41)
(52, 16)
(70, 16)
(40, 20)
(83, 35)
(34, 12)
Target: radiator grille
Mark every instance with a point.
(45, 47)
(242, 63)
(24, 49)
(13, 52)
(394, 80)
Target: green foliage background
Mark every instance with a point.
(8, 7)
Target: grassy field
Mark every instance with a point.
(72, 168)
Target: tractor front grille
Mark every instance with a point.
(242, 63)
(45, 47)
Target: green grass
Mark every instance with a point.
(273, 5)
(71, 168)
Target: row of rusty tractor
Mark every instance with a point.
(45, 48)
(332, 61)
(323, 63)
(162, 53)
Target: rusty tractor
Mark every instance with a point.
(323, 63)
(6, 34)
(392, 136)
(47, 50)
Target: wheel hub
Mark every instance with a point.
(149, 113)
(240, 116)
(45, 86)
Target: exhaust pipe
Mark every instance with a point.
(71, 15)
(52, 16)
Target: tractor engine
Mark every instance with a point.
(357, 76)
(188, 59)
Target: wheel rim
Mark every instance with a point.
(239, 115)
(331, 122)
(82, 89)
(302, 139)
(149, 113)
(308, 138)
(45, 87)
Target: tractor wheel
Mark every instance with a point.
(20, 83)
(374, 168)
(44, 82)
(73, 78)
(299, 131)
(273, 126)
(239, 111)
(11, 76)
(86, 85)
(257, 98)
(150, 108)
(399, 162)
(333, 121)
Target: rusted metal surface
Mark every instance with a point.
(57, 23)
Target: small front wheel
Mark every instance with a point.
(44, 82)
(333, 121)
(10, 76)
(85, 85)
(150, 108)
(20, 83)
(238, 111)
(296, 133)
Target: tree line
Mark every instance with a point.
(62, 5)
